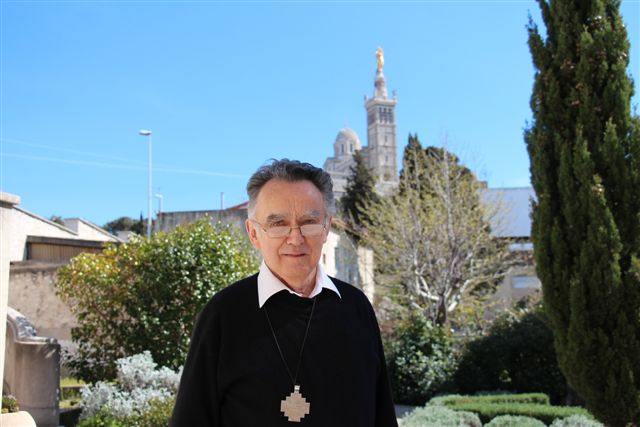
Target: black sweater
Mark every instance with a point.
(234, 376)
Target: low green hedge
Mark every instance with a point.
(456, 399)
(545, 413)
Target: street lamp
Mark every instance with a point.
(147, 133)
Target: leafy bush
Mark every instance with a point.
(439, 416)
(100, 419)
(142, 395)
(514, 421)
(145, 295)
(454, 399)
(420, 359)
(157, 415)
(518, 355)
(9, 404)
(576, 421)
(545, 413)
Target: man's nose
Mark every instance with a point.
(295, 237)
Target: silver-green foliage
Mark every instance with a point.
(439, 416)
(576, 421)
(514, 421)
(138, 384)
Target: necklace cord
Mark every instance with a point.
(304, 340)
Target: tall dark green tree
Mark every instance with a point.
(584, 146)
(414, 164)
(360, 191)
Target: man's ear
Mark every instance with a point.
(328, 228)
(252, 232)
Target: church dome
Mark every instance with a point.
(347, 142)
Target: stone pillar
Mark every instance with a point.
(7, 202)
(32, 370)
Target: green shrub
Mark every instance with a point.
(439, 416)
(454, 399)
(145, 295)
(157, 415)
(9, 404)
(517, 355)
(420, 359)
(576, 421)
(545, 413)
(101, 419)
(514, 421)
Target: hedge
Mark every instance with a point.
(456, 399)
(545, 413)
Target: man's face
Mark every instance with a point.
(282, 203)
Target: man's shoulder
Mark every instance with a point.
(244, 291)
(347, 290)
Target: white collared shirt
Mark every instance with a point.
(269, 284)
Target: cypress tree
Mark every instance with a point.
(584, 147)
(359, 193)
(414, 163)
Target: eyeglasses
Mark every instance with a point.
(279, 231)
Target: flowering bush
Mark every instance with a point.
(139, 388)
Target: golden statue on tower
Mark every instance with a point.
(380, 58)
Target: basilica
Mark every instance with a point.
(381, 149)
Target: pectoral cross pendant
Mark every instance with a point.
(295, 406)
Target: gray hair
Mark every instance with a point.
(290, 170)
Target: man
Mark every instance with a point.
(289, 344)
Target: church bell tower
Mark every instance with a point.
(381, 132)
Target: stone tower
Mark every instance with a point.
(380, 151)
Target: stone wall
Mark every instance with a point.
(167, 221)
(32, 292)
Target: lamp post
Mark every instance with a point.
(147, 133)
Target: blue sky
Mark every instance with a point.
(224, 86)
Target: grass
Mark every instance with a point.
(70, 392)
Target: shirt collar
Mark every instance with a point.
(269, 284)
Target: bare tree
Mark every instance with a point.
(432, 237)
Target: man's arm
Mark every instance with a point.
(385, 409)
(197, 403)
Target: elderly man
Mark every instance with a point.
(289, 344)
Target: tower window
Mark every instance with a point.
(341, 149)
